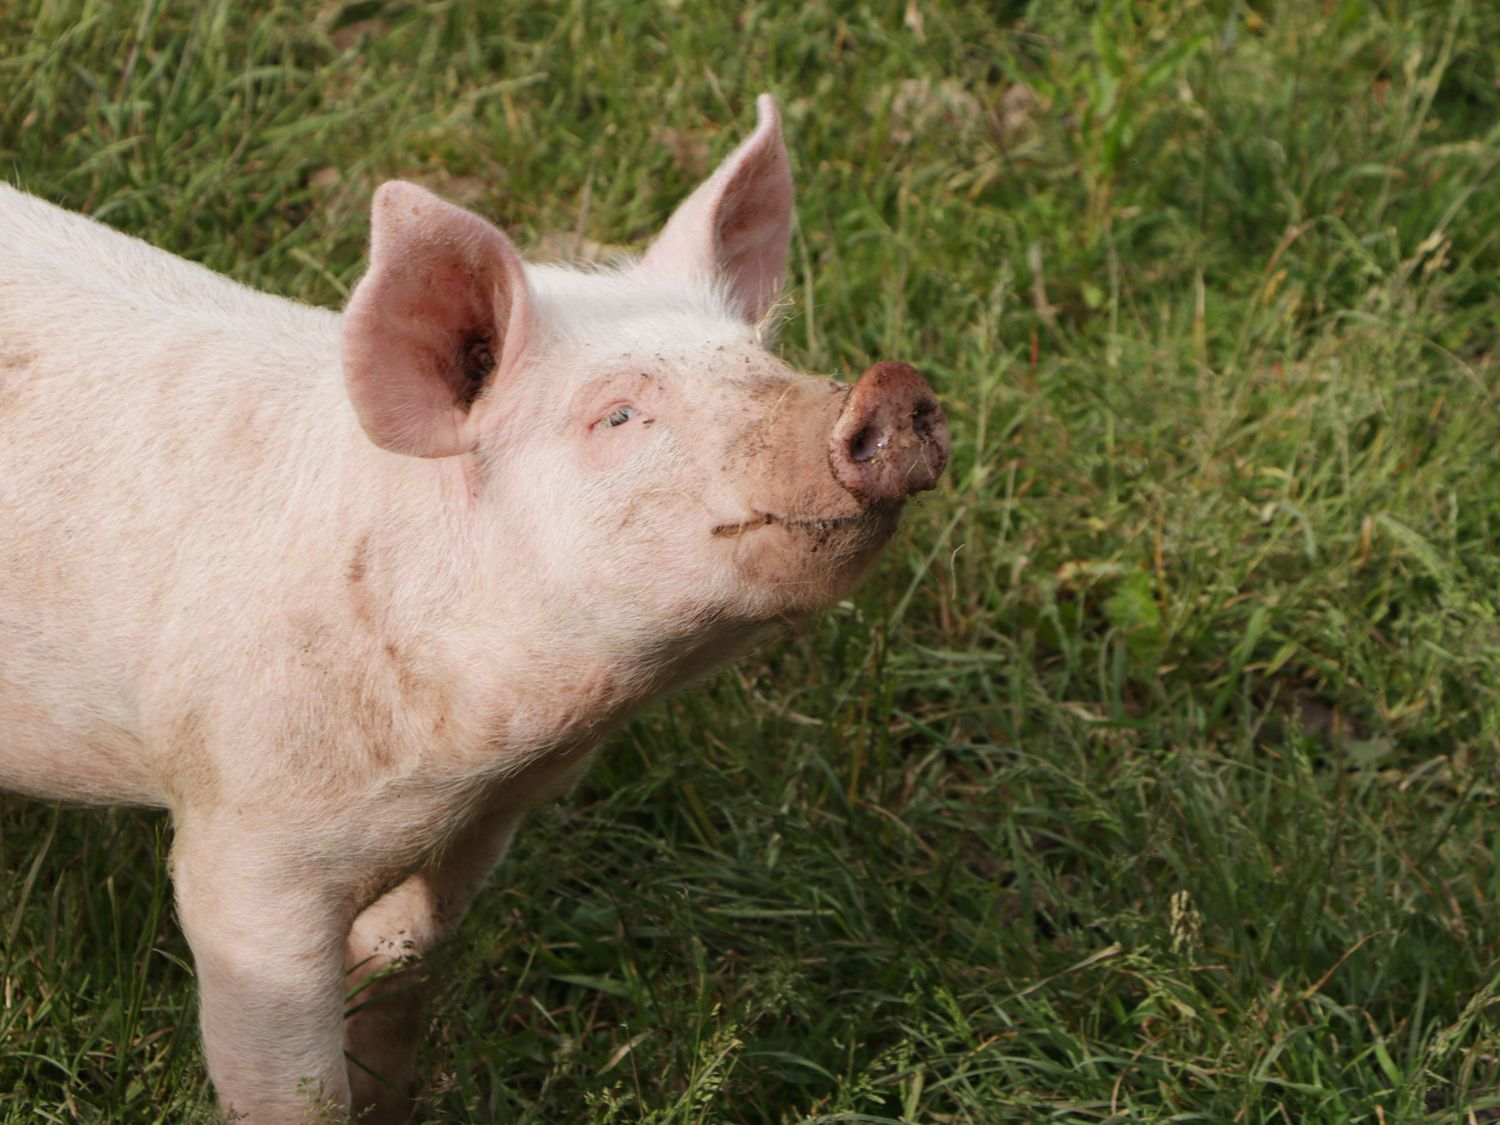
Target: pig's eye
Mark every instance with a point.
(618, 416)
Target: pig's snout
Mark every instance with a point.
(891, 438)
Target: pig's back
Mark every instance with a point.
(120, 314)
(44, 247)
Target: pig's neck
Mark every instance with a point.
(573, 688)
(523, 672)
(562, 680)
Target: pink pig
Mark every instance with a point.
(348, 594)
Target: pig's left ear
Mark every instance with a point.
(738, 223)
(439, 320)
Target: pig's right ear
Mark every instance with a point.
(441, 317)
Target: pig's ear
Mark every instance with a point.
(738, 223)
(441, 317)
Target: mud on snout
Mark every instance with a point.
(829, 470)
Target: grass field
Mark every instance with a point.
(1153, 776)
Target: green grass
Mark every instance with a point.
(1152, 778)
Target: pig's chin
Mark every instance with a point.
(802, 563)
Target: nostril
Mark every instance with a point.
(922, 420)
(866, 444)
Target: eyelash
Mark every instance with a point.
(617, 417)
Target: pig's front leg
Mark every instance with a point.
(268, 941)
(386, 989)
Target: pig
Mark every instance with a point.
(348, 594)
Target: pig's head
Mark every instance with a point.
(636, 456)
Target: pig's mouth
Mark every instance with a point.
(811, 560)
(814, 525)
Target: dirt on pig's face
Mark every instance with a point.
(697, 486)
(796, 537)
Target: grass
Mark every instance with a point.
(1152, 778)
